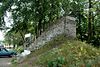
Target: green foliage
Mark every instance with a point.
(34, 16)
(58, 62)
(20, 49)
(17, 39)
(87, 22)
(69, 53)
(14, 60)
(75, 53)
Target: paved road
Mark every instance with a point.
(5, 62)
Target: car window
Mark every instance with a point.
(5, 49)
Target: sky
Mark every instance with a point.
(1, 35)
(8, 21)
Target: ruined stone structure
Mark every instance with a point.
(65, 25)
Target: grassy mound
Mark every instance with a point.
(62, 52)
(71, 54)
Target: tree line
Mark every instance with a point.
(35, 16)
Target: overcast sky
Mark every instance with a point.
(8, 21)
(1, 36)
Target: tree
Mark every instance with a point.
(34, 16)
(89, 22)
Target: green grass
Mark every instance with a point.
(76, 53)
(72, 53)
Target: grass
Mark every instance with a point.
(72, 53)
(76, 54)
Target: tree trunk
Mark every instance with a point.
(79, 20)
(89, 22)
(22, 38)
(93, 29)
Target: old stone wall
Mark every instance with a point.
(65, 25)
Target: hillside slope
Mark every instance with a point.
(62, 52)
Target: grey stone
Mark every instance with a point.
(65, 25)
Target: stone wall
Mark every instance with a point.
(65, 25)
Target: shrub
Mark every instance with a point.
(58, 62)
(20, 49)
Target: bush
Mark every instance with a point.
(14, 60)
(20, 49)
(58, 62)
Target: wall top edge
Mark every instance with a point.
(71, 18)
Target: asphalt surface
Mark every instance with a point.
(5, 62)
